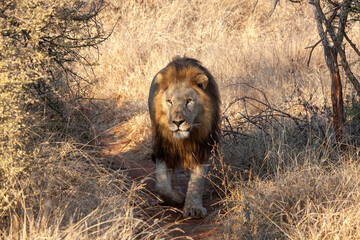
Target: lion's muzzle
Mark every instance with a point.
(180, 128)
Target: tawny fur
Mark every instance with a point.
(195, 149)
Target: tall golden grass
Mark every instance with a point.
(283, 182)
(293, 184)
(67, 194)
(306, 202)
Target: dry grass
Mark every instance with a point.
(294, 196)
(292, 193)
(307, 202)
(238, 41)
(289, 184)
(69, 195)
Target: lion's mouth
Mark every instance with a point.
(181, 134)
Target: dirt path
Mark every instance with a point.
(143, 170)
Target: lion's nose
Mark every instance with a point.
(178, 123)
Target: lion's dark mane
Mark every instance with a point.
(192, 150)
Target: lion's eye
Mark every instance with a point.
(189, 101)
(169, 101)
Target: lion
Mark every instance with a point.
(184, 107)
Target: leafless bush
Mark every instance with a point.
(254, 130)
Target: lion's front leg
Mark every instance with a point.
(193, 202)
(165, 184)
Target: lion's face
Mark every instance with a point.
(185, 115)
(181, 106)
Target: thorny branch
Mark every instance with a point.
(311, 51)
(352, 44)
(255, 114)
(266, 115)
(68, 30)
(336, 39)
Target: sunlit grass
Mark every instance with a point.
(284, 184)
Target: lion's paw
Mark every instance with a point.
(173, 197)
(194, 211)
(177, 197)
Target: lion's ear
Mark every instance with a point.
(201, 81)
(161, 81)
(158, 78)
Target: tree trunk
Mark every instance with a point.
(331, 54)
(337, 99)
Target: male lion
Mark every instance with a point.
(184, 110)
